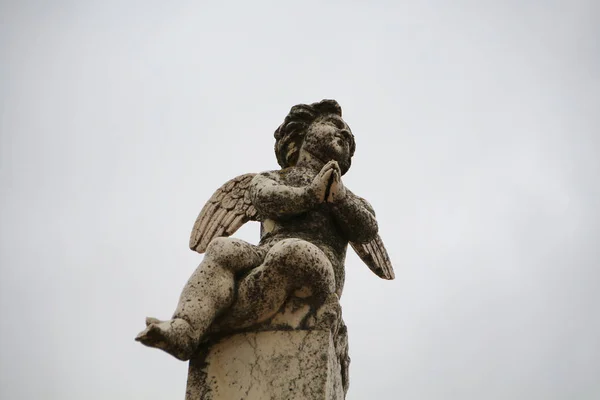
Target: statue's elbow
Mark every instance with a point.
(372, 231)
(366, 232)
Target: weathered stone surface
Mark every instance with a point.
(273, 365)
(293, 279)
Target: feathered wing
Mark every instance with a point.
(224, 213)
(375, 255)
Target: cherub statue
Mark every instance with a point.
(307, 217)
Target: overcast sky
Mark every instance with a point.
(477, 129)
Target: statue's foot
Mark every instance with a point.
(175, 336)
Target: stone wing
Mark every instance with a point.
(375, 255)
(224, 213)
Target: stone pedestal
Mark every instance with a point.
(298, 364)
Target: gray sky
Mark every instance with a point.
(477, 144)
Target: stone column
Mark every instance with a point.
(292, 364)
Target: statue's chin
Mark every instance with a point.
(338, 153)
(343, 161)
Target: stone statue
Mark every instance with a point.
(294, 278)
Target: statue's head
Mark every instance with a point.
(317, 128)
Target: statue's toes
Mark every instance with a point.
(151, 320)
(151, 336)
(143, 335)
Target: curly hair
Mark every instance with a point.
(289, 135)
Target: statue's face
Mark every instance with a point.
(328, 138)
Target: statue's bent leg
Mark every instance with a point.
(209, 290)
(289, 266)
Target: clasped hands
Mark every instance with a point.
(327, 186)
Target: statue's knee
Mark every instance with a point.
(300, 257)
(222, 250)
(292, 251)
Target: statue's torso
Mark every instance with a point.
(316, 226)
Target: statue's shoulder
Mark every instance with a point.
(290, 176)
(295, 176)
(275, 174)
(282, 175)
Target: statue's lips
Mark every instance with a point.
(346, 133)
(338, 145)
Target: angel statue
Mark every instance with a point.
(307, 218)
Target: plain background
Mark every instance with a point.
(477, 128)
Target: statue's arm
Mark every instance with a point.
(273, 199)
(355, 217)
